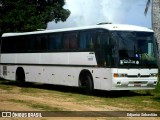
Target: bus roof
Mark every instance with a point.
(111, 27)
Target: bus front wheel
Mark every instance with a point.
(86, 81)
(89, 85)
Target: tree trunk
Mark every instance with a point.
(156, 21)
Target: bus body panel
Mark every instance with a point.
(44, 74)
(80, 58)
(59, 75)
(103, 78)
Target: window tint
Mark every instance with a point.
(19, 44)
(77, 40)
(87, 39)
(54, 41)
(10, 44)
(70, 40)
(40, 42)
(29, 43)
(5, 45)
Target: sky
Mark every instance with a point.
(92, 12)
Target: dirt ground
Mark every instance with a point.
(16, 100)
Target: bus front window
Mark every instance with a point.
(136, 49)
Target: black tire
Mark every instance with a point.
(20, 77)
(89, 85)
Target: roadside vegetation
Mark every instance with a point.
(124, 100)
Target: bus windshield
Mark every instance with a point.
(136, 49)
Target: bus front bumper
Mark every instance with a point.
(134, 84)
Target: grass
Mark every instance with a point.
(136, 100)
(29, 90)
(38, 106)
(6, 87)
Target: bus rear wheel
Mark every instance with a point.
(20, 76)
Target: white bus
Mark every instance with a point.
(103, 57)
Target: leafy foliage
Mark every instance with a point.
(29, 15)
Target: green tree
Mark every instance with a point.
(30, 15)
(155, 18)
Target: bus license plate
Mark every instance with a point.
(137, 84)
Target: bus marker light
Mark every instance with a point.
(115, 75)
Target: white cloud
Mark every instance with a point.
(91, 12)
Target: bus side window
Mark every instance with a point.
(66, 41)
(70, 40)
(31, 42)
(83, 41)
(19, 44)
(7, 45)
(41, 42)
(54, 42)
(87, 39)
(73, 43)
(51, 44)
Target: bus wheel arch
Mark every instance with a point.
(20, 76)
(86, 81)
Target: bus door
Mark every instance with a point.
(103, 56)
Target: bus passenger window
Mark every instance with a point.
(54, 42)
(87, 39)
(41, 42)
(83, 40)
(66, 42)
(8, 45)
(31, 42)
(70, 40)
(73, 41)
